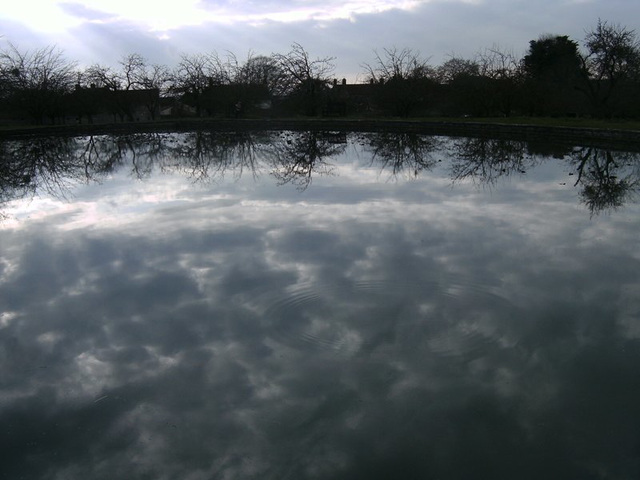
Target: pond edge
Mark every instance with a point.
(609, 138)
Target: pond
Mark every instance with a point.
(318, 305)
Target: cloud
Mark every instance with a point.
(85, 12)
(305, 10)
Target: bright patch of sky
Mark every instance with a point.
(39, 15)
(56, 16)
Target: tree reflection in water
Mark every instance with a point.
(403, 152)
(41, 165)
(107, 153)
(608, 179)
(296, 156)
(487, 159)
(205, 156)
(52, 165)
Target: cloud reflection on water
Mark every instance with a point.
(360, 328)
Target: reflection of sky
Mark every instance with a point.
(365, 327)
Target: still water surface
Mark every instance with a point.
(318, 306)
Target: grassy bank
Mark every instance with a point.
(612, 124)
(605, 124)
(546, 121)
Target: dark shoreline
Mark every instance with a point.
(607, 138)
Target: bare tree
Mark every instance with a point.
(613, 52)
(133, 70)
(100, 76)
(503, 68)
(397, 64)
(35, 81)
(135, 73)
(612, 59)
(404, 80)
(208, 82)
(191, 77)
(223, 69)
(299, 69)
(120, 90)
(304, 79)
(155, 79)
(498, 63)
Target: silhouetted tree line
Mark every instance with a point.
(606, 179)
(555, 77)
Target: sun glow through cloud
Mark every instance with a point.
(39, 15)
(57, 16)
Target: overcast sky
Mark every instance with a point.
(102, 31)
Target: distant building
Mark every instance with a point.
(102, 105)
(351, 98)
(235, 100)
